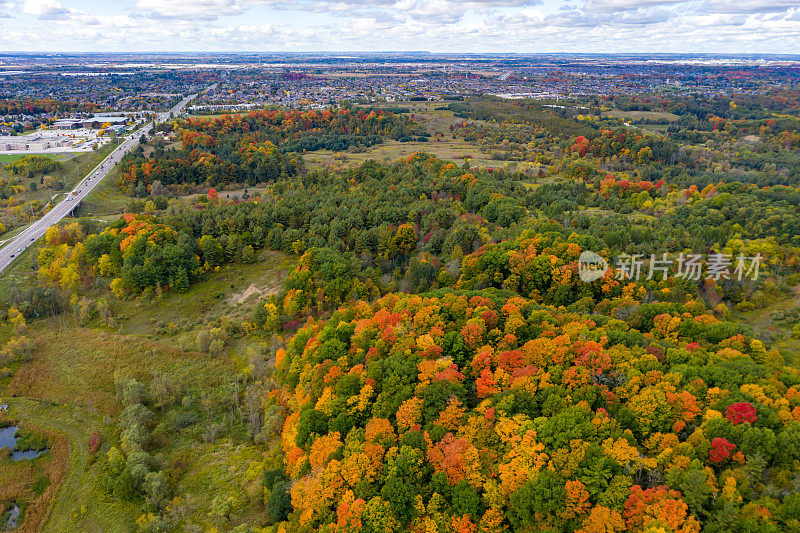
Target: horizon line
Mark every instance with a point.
(386, 52)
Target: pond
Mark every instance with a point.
(27, 454)
(8, 439)
(11, 521)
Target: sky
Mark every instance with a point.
(524, 26)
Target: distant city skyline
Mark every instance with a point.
(493, 26)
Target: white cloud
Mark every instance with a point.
(637, 17)
(8, 8)
(47, 9)
(749, 6)
(436, 25)
(191, 9)
(432, 11)
(623, 5)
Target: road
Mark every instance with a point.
(32, 233)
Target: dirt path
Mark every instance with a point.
(253, 290)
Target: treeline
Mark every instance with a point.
(216, 167)
(34, 165)
(701, 108)
(491, 109)
(262, 146)
(280, 125)
(36, 106)
(383, 215)
(689, 218)
(336, 143)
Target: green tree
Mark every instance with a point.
(466, 499)
(541, 496)
(248, 254)
(211, 249)
(279, 503)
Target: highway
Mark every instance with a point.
(33, 232)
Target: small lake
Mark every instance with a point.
(8, 439)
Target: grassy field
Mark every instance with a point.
(635, 216)
(436, 122)
(74, 364)
(105, 198)
(77, 167)
(455, 150)
(535, 183)
(78, 502)
(229, 194)
(780, 333)
(231, 292)
(435, 118)
(68, 388)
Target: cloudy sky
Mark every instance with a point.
(714, 26)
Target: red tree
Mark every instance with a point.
(720, 450)
(741, 412)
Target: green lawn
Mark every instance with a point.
(10, 158)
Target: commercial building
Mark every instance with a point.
(99, 120)
(67, 124)
(25, 143)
